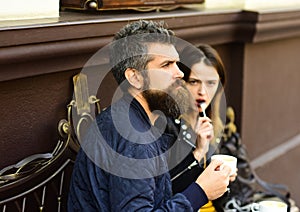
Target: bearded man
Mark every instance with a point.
(122, 164)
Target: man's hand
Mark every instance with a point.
(233, 177)
(214, 181)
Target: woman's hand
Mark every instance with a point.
(205, 131)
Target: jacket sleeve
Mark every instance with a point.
(139, 195)
(152, 193)
(97, 190)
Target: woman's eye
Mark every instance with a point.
(193, 82)
(211, 83)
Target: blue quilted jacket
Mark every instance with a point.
(122, 166)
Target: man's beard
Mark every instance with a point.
(173, 101)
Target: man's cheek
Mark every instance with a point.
(159, 79)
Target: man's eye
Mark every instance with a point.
(166, 64)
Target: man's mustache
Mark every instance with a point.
(177, 83)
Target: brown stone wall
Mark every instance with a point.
(271, 106)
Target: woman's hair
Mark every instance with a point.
(210, 57)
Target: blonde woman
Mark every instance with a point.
(204, 75)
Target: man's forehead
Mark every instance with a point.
(166, 50)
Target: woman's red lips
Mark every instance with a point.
(199, 101)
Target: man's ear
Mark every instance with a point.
(134, 78)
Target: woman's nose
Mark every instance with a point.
(201, 89)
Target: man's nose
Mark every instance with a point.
(178, 73)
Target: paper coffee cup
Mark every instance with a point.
(272, 206)
(228, 160)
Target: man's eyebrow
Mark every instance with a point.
(171, 60)
(168, 61)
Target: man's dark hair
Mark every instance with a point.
(129, 48)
